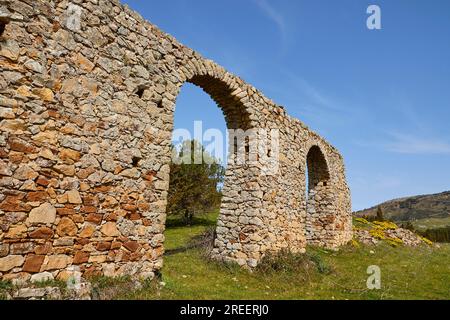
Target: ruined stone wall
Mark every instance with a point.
(86, 117)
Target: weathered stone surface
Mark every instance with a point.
(10, 49)
(110, 229)
(4, 169)
(56, 262)
(52, 293)
(16, 232)
(21, 247)
(86, 120)
(25, 173)
(73, 196)
(41, 277)
(87, 231)
(6, 113)
(33, 263)
(81, 257)
(10, 262)
(66, 227)
(4, 250)
(45, 213)
(42, 233)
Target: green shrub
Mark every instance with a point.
(285, 261)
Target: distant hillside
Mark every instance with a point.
(413, 208)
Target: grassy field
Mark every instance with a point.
(406, 273)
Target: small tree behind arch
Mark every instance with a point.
(194, 188)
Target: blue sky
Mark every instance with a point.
(382, 97)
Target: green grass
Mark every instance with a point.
(178, 234)
(406, 273)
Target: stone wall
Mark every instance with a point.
(87, 96)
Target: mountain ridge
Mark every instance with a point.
(412, 208)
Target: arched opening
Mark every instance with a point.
(317, 196)
(194, 233)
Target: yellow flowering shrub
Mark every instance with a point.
(385, 225)
(427, 241)
(395, 242)
(355, 243)
(362, 220)
(377, 233)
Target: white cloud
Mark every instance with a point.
(273, 15)
(411, 144)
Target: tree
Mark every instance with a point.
(380, 214)
(194, 188)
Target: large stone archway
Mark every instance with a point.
(87, 95)
(319, 204)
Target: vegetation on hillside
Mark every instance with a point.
(427, 215)
(413, 208)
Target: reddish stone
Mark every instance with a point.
(84, 173)
(125, 256)
(15, 157)
(41, 233)
(53, 114)
(3, 153)
(102, 189)
(90, 200)
(56, 26)
(37, 196)
(82, 241)
(103, 246)
(111, 216)
(78, 218)
(44, 249)
(33, 263)
(42, 181)
(131, 245)
(81, 257)
(134, 216)
(143, 206)
(116, 245)
(91, 272)
(94, 218)
(146, 222)
(149, 175)
(88, 209)
(65, 211)
(14, 204)
(129, 207)
(111, 256)
(135, 256)
(21, 146)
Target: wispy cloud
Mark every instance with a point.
(272, 14)
(310, 97)
(412, 144)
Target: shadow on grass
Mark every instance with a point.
(205, 221)
(203, 241)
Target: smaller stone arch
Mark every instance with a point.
(319, 197)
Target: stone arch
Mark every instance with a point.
(319, 199)
(101, 157)
(231, 96)
(235, 114)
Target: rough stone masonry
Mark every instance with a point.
(87, 95)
